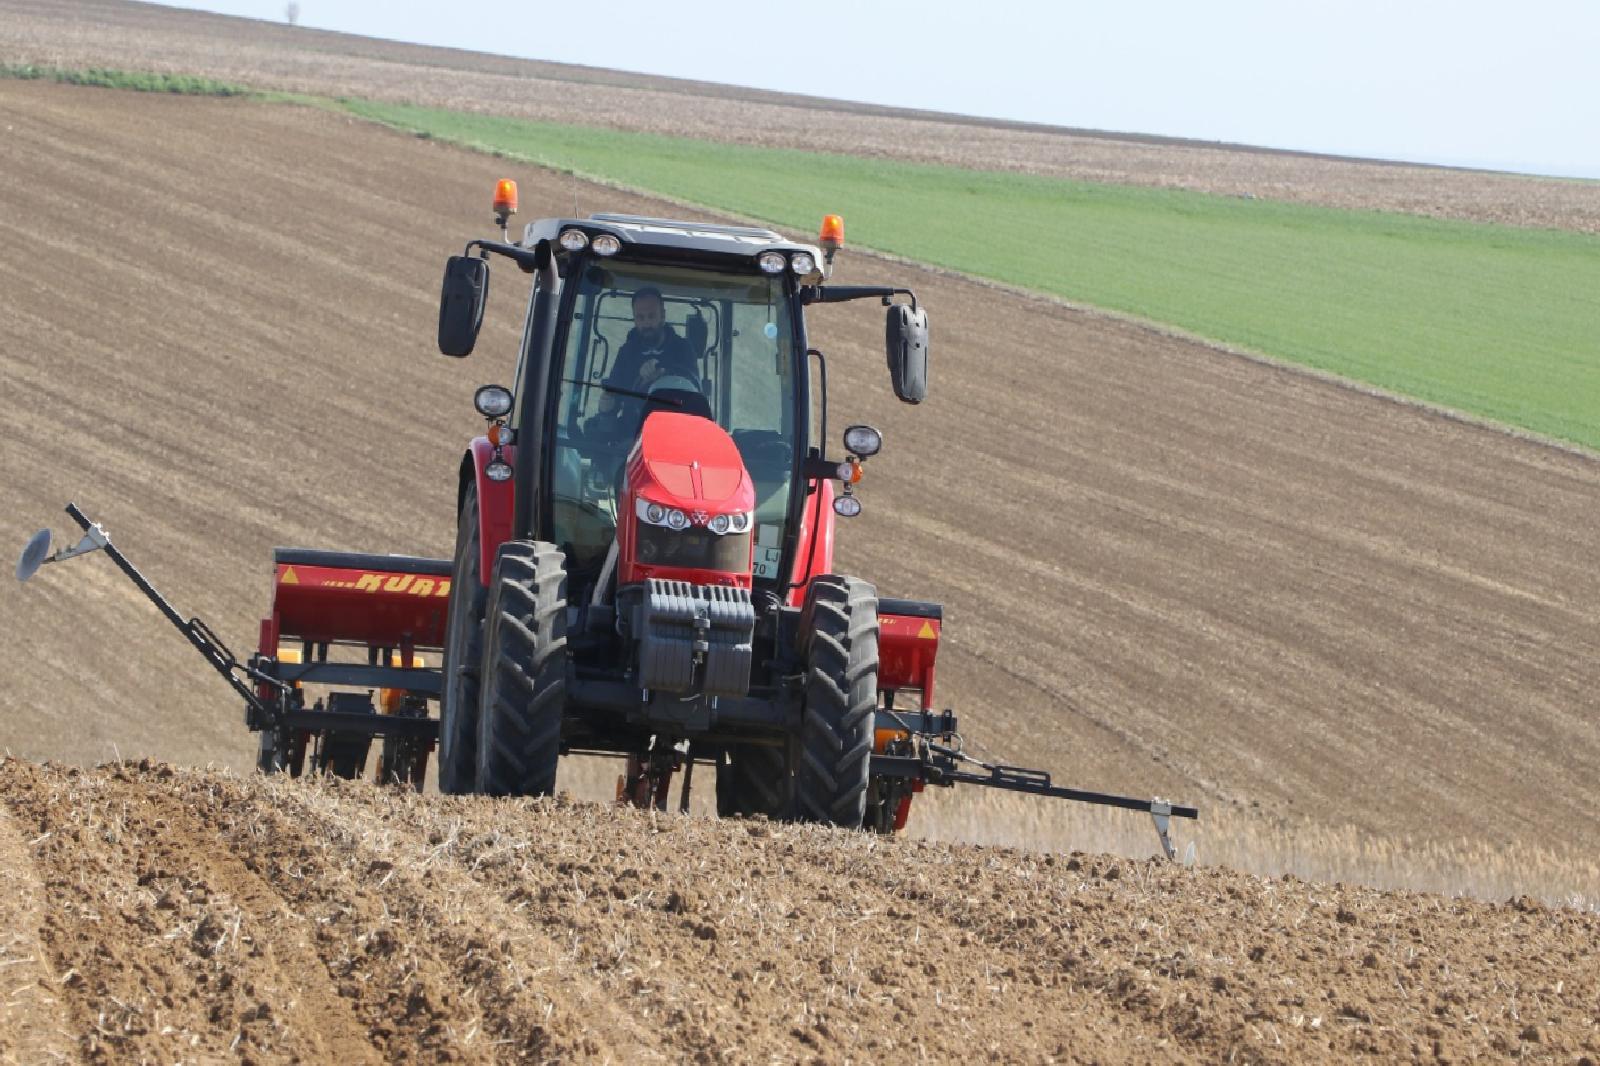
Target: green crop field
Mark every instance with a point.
(1496, 321)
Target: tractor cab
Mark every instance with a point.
(719, 347)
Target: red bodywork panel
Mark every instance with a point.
(907, 648)
(818, 505)
(497, 504)
(367, 605)
(908, 645)
(689, 463)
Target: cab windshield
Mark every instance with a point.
(718, 345)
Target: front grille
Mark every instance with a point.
(694, 549)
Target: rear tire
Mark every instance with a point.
(524, 676)
(463, 654)
(753, 780)
(839, 635)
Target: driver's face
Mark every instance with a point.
(648, 318)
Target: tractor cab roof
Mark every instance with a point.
(638, 233)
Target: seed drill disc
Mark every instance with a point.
(34, 555)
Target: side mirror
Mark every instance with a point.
(461, 302)
(906, 338)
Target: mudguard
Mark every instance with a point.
(497, 500)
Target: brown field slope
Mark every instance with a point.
(1166, 569)
(198, 917)
(137, 36)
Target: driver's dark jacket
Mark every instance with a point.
(673, 353)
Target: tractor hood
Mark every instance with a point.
(687, 512)
(690, 463)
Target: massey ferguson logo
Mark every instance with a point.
(699, 518)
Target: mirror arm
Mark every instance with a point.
(820, 294)
(527, 258)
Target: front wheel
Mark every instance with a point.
(839, 640)
(524, 676)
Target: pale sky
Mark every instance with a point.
(1471, 83)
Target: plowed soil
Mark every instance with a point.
(1166, 569)
(261, 54)
(196, 916)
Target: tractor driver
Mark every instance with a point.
(652, 351)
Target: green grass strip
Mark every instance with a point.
(138, 81)
(1497, 321)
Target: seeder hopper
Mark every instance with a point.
(644, 556)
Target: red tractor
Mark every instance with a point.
(644, 553)
(644, 556)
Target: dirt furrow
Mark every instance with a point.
(432, 976)
(31, 1029)
(150, 955)
(770, 948)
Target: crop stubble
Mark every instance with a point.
(204, 915)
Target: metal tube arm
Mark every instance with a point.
(205, 641)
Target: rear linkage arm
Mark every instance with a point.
(205, 641)
(939, 764)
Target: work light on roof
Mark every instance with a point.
(607, 244)
(574, 240)
(771, 262)
(802, 263)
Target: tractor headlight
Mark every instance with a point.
(658, 514)
(771, 262)
(846, 506)
(607, 244)
(574, 240)
(802, 263)
(734, 522)
(498, 471)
